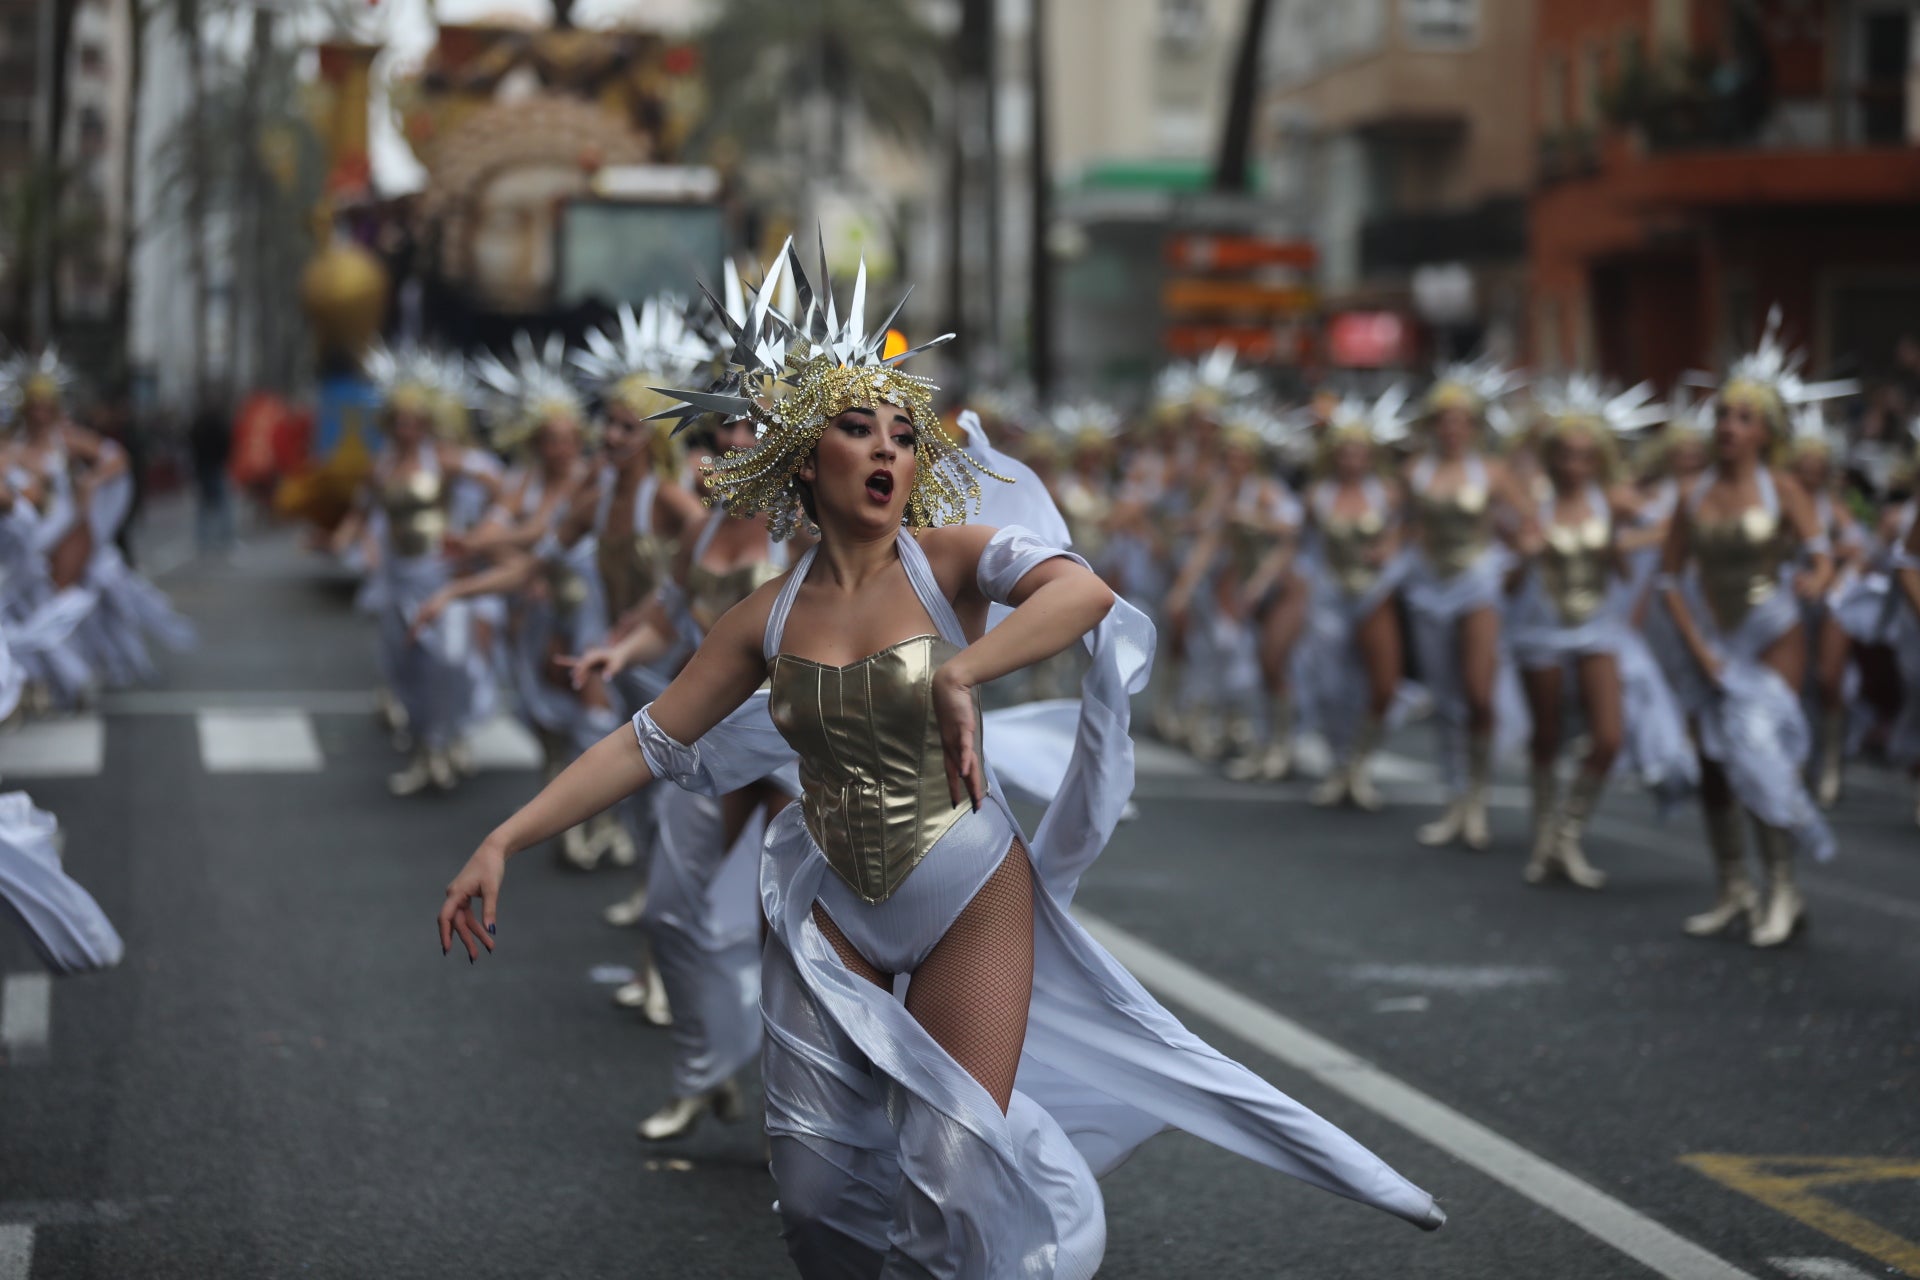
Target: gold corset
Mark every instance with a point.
(416, 513)
(1573, 566)
(872, 775)
(1349, 543)
(1739, 562)
(711, 593)
(1454, 530)
(630, 568)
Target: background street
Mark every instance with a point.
(285, 1078)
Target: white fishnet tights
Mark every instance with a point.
(972, 991)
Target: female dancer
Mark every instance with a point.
(1830, 648)
(700, 914)
(430, 662)
(1456, 497)
(1351, 664)
(1571, 627)
(701, 918)
(1734, 651)
(899, 1138)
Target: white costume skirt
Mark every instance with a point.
(1751, 723)
(1329, 675)
(889, 1157)
(68, 928)
(702, 923)
(433, 676)
(1654, 745)
(1436, 606)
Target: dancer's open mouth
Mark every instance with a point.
(880, 487)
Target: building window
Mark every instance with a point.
(1553, 93)
(1183, 25)
(1440, 23)
(1592, 76)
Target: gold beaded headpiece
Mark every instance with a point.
(790, 378)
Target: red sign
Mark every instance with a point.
(1369, 339)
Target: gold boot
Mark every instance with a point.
(1833, 733)
(1473, 824)
(1276, 765)
(627, 912)
(1204, 736)
(647, 994)
(1446, 828)
(1736, 900)
(415, 778)
(1360, 788)
(1785, 911)
(678, 1118)
(1582, 799)
(1546, 826)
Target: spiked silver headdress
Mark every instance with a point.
(1385, 421)
(792, 375)
(536, 388)
(43, 376)
(1770, 379)
(1478, 386)
(1582, 400)
(642, 351)
(1211, 383)
(406, 377)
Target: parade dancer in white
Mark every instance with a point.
(900, 1141)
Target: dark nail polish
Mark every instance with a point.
(470, 957)
(489, 928)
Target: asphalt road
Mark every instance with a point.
(285, 1078)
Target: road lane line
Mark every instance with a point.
(1794, 1186)
(187, 702)
(1819, 1269)
(1546, 1184)
(16, 1252)
(62, 747)
(26, 1004)
(504, 743)
(264, 741)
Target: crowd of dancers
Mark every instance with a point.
(75, 621)
(1681, 594)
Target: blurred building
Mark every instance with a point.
(1400, 129)
(87, 144)
(1701, 161)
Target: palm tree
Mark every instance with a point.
(1232, 171)
(251, 150)
(790, 80)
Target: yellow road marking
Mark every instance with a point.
(1788, 1184)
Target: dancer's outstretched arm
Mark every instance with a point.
(723, 673)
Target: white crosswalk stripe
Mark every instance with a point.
(264, 741)
(59, 747)
(26, 1006)
(16, 1251)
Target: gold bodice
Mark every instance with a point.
(711, 592)
(1574, 565)
(631, 567)
(416, 511)
(1456, 528)
(1350, 544)
(1740, 560)
(873, 776)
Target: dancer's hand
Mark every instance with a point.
(428, 612)
(603, 661)
(954, 708)
(1808, 585)
(480, 878)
